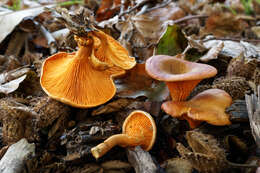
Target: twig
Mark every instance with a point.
(186, 18)
(160, 6)
(51, 41)
(232, 39)
(134, 8)
(122, 7)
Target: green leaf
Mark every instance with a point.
(172, 42)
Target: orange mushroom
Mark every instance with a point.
(138, 129)
(85, 79)
(209, 106)
(181, 76)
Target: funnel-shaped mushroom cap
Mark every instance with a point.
(209, 106)
(171, 69)
(140, 125)
(75, 82)
(84, 79)
(181, 76)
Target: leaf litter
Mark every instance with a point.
(220, 33)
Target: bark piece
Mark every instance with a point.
(141, 160)
(16, 155)
(238, 111)
(253, 108)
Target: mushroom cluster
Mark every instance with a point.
(85, 78)
(181, 77)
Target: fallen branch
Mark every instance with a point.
(134, 8)
(141, 160)
(253, 108)
(232, 39)
(16, 155)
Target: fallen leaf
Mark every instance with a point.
(192, 6)
(107, 9)
(141, 33)
(114, 106)
(9, 21)
(177, 165)
(213, 52)
(256, 30)
(251, 51)
(152, 25)
(12, 85)
(10, 81)
(223, 24)
(173, 42)
(115, 164)
(138, 83)
(234, 49)
(235, 5)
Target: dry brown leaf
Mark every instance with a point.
(206, 155)
(152, 25)
(222, 24)
(138, 83)
(236, 5)
(114, 106)
(213, 52)
(115, 164)
(234, 49)
(177, 165)
(8, 21)
(192, 6)
(140, 33)
(9, 81)
(17, 120)
(107, 9)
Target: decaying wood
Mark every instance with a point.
(141, 161)
(79, 140)
(238, 111)
(253, 108)
(207, 156)
(16, 155)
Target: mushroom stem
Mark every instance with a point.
(83, 52)
(192, 123)
(186, 86)
(119, 139)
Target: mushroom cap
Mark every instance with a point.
(140, 124)
(170, 69)
(108, 50)
(209, 106)
(72, 80)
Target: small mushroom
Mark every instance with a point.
(85, 79)
(209, 106)
(181, 76)
(138, 129)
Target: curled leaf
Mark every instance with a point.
(10, 81)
